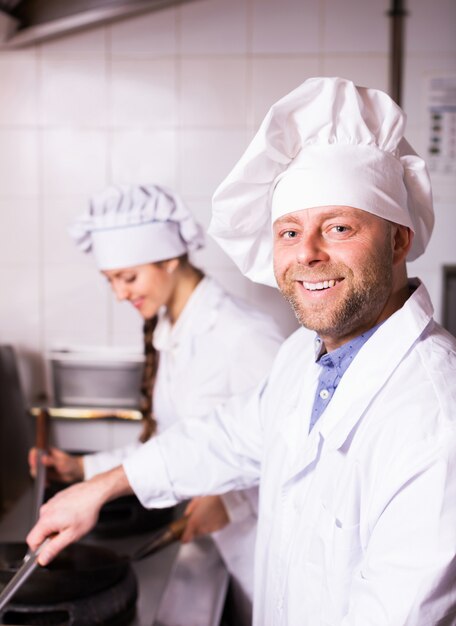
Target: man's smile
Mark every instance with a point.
(323, 284)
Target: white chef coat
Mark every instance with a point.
(357, 521)
(218, 347)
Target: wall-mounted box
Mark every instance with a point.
(101, 377)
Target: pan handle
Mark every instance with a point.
(162, 538)
(177, 527)
(41, 441)
(41, 432)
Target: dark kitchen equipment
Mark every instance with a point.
(79, 570)
(16, 432)
(115, 606)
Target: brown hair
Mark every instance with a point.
(148, 380)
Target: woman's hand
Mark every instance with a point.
(63, 467)
(205, 514)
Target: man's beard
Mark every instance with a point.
(361, 306)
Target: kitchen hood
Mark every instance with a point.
(27, 22)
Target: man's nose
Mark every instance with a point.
(311, 250)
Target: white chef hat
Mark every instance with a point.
(128, 225)
(328, 142)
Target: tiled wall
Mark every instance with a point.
(173, 97)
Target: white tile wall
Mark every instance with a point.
(58, 213)
(143, 92)
(431, 26)
(73, 91)
(286, 27)
(91, 43)
(19, 162)
(273, 77)
(19, 102)
(138, 156)
(75, 305)
(20, 307)
(150, 34)
(206, 156)
(355, 27)
(173, 96)
(370, 70)
(211, 27)
(20, 231)
(213, 92)
(73, 161)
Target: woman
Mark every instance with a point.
(202, 345)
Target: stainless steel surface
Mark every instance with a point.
(203, 578)
(22, 574)
(195, 593)
(47, 19)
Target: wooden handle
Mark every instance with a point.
(177, 527)
(41, 432)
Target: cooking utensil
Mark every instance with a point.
(79, 570)
(16, 582)
(41, 443)
(162, 538)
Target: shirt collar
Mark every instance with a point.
(341, 357)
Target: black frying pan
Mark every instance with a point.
(79, 570)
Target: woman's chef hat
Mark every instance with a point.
(128, 225)
(328, 142)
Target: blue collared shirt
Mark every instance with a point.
(334, 365)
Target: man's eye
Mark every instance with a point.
(129, 279)
(290, 234)
(340, 229)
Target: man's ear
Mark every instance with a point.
(402, 242)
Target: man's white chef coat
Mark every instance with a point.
(219, 347)
(357, 521)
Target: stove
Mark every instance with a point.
(115, 606)
(157, 589)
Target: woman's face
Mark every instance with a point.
(147, 287)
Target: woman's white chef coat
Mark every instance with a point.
(219, 347)
(357, 521)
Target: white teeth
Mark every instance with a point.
(319, 286)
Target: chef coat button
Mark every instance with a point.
(324, 394)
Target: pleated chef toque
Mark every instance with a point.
(128, 225)
(328, 142)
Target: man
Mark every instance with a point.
(354, 444)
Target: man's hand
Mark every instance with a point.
(205, 514)
(63, 467)
(73, 512)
